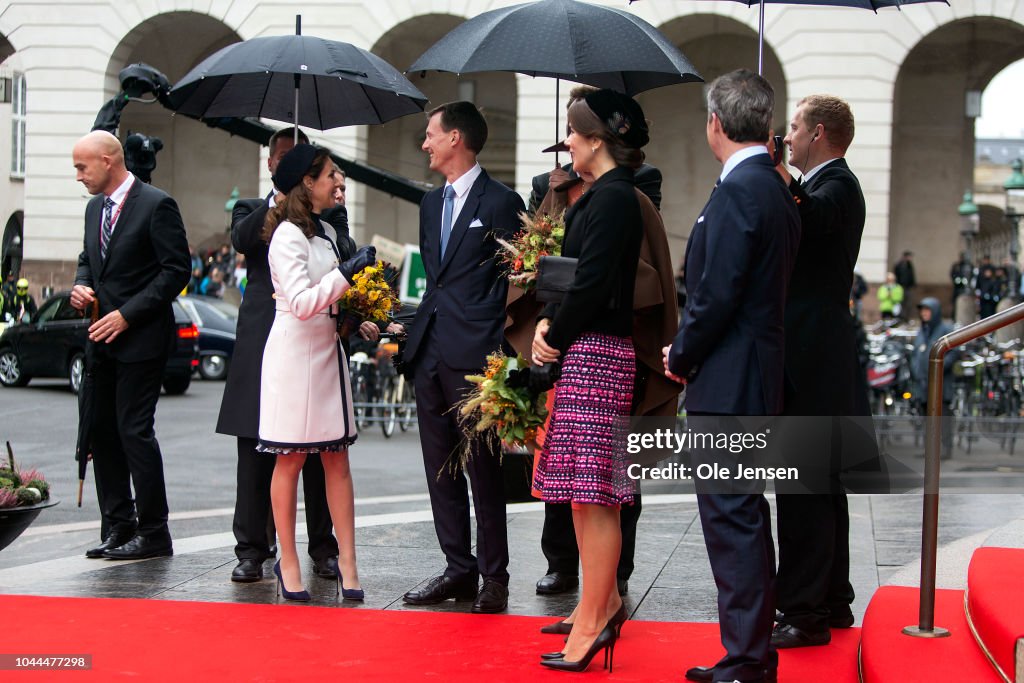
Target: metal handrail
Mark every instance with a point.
(926, 627)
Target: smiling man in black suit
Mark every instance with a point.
(730, 351)
(814, 592)
(461, 320)
(135, 261)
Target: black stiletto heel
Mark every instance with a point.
(605, 641)
(618, 619)
(298, 596)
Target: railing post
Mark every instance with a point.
(926, 627)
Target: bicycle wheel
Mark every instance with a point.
(360, 400)
(388, 409)
(406, 404)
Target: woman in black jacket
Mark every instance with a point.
(589, 332)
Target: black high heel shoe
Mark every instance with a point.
(563, 628)
(298, 596)
(348, 593)
(618, 619)
(605, 641)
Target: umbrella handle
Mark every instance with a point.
(81, 484)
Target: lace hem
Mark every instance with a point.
(274, 447)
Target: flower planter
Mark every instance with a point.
(13, 521)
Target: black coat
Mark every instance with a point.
(647, 179)
(240, 405)
(147, 265)
(821, 348)
(604, 231)
(739, 259)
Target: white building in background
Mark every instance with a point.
(907, 75)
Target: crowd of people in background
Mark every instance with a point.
(217, 270)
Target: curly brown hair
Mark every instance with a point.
(297, 206)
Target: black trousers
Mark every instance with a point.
(438, 388)
(253, 522)
(126, 454)
(814, 559)
(558, 540)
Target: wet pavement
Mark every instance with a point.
(396, 544)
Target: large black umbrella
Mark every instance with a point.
(873, 5)
(600, 46)
(86, 409)
(592, 44)
(302, 80)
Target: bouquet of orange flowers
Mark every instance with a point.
(370, 297)
(541, 235)
(496, 410)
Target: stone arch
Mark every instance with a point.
(933, 140)
(198, 165)
(395, 146)
(678, 114)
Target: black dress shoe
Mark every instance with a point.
(140, 548)
(707, 673)
(326, 568)
(493, 598)
(247, 571)
(112, 540)
(439, 589)
(622, 585)
(787, 636)
(557, 582)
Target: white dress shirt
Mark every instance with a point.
(463, 184)
(740, 156)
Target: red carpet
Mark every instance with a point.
(159, 640)
(995, 602)
(888, 656)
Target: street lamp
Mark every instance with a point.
(1014, 188)
(969, 222)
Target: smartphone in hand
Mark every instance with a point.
(779, 147)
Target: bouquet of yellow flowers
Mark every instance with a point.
(541, 235)
(370, 297)
(498, 408)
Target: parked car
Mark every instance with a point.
(53, 345)
(216, 320)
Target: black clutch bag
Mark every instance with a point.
(554, 277)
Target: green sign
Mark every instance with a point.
(414, 276)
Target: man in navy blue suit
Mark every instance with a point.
(461, 320)
(730, 352)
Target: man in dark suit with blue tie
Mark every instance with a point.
(730, 352)
(459, 322)
(135, 261)
(813, 590)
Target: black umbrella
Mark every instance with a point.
(86, 409)
(298, 79)
(600, 46)
(873, 5)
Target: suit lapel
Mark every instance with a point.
(431, 242)
(123, 219)
(466, 216)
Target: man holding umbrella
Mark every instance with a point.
(134, 262)
(459, 322)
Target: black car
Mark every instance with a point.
(216, 320)
(53, 345)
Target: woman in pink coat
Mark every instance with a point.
(305, 397)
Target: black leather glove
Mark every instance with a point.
(366, 256)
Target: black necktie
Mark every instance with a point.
(108, 226)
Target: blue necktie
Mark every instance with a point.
(108, 227)
(446, 216)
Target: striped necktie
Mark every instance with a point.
(108, 227)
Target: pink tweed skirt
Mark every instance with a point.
(583, 460)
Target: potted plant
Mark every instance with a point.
(23, 495)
